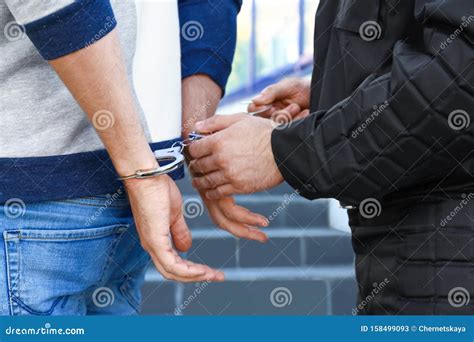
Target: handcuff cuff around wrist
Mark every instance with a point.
(173, 155)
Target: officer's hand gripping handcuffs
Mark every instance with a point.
(174, 155)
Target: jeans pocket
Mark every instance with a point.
(48, 270)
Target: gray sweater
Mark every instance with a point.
(48, 148)
(39, 117)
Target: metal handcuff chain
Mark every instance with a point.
(173, 155)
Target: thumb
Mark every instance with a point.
(272, 93)
(266, 96)
(293, 109)
(218, 122)
(181, 235)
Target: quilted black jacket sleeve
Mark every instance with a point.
(406, 127)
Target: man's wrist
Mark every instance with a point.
(128, 166)
(201, 96)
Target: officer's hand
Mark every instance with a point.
(288, 97)
(237, 159)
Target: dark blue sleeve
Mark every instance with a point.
(208, 37)
(71, 28)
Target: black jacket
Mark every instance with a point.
(392, 102)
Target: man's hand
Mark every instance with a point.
(237, 159)
(157, 208)
(235, 219)
(200, 99)
(97, 78)
(288, 97)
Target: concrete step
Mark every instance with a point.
(275, 291)
(288, 247)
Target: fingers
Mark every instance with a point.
(201, 148)
(218, 122)
(253, 108)
(204, 165)
(173, 267)
(238, 229)
(286, 115)
(294, 109)
(302, 115)
(268, 95)
(243, 215)
(209, 181)
(215, 275)
(181, 235)
(222, 191)
(274, 92)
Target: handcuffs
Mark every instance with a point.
(173, 155)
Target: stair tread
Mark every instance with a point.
(333, 272)
(281, 232)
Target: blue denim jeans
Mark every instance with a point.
(71, 257)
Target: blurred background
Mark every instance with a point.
(306, 268)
